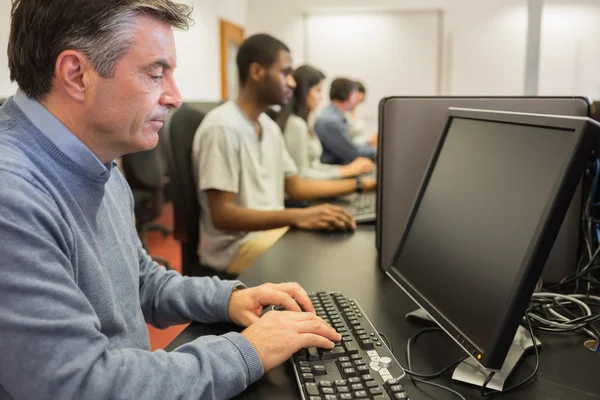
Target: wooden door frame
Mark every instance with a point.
(228, 32)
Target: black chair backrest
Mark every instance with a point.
(178, 140)
(144, 170)
(271, 113)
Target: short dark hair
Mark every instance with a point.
(360, 87)
(260, 48)
(101, 30)
(341, 88)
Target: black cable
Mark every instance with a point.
(416, 377)
(411, 341)
(485, 393)
(387, 342)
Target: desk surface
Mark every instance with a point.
(347, 263)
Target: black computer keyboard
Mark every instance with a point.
(361, 366)
(364, 203)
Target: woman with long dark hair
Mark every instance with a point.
(301, 141)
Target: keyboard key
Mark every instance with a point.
(343, 389)
(303, 364)
(319, 370)
(375, 391)
(307, 377)
(330, 397)
(372, 353)
(313, 354)
(371, 384)
(367, 345)
(312, 389)
(353, 380)
(325, 384)
(393, 382)
(345, 396)
(401, 396)
(328, 391)
(348, 372)
(357, 386)
(300, 355)
(367, 377)
(340, 382)
(334, 353)
(305, 370)
(356, 357)
(361, 394)
(359, 362)
(314, 398)
(346, 365)
(362, 369)
(398, 388)
(379, 397)
(351, 347)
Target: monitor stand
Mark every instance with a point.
(470, 371)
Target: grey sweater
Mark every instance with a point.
(306, 150)
(76, 287)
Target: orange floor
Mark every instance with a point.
(168, 248)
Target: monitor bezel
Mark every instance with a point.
(540, 245)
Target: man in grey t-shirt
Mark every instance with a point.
(243, 170)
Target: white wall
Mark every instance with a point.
(484, 40)
(395, 53)
(570, 48)
(6, 88)
(198, 72)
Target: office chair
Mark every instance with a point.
(272, 113)
(145, 173)
(178, 139)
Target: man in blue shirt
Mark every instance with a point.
(77, 288)
(332, 129)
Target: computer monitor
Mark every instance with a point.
(488, 211)
(409, 129)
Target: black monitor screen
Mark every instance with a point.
(480, 212)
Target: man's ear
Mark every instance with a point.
(256, 72)
(73, 74)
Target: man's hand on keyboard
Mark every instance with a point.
(278, 335)
(324, 217)
(246, 305)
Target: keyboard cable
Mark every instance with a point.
(424, 378)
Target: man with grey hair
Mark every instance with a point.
(95, 82)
